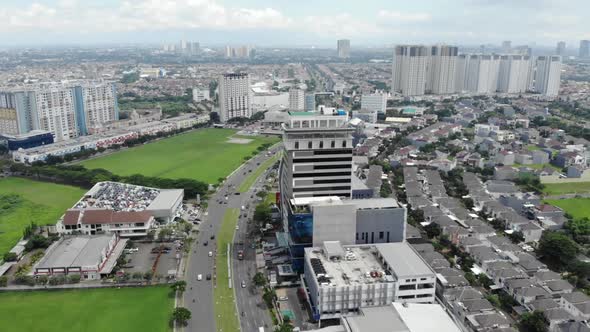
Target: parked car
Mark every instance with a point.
(210, 253)
(208, 276)
(200, 277)
(205, 243)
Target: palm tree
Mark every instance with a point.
(179, 286)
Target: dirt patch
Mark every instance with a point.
(239, 140)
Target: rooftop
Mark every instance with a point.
(118, 197)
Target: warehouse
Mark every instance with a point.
(92, 257)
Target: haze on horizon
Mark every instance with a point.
(305, 22)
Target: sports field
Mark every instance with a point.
(39, 202)
(205, 155)
(566, 188)
(225, 308)
(577, 207)
(91, 310)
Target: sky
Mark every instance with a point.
(294, 22)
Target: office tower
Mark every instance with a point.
(584, 48)
(409, 69)
(560, 49)
(296, 100)
(523, 50)
(482, 73)
(228, 51)
(343, 48)
(243, 51)
(66, 110)
(234, 96)
(317, 158)
(548, 75)
(309, 102)
(195, 47)
(506, 46)
(374, 102)
(442, 67)
(513, 73)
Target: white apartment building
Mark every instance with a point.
(374, 102)
(513, 73)
(481, 75)
(548, 75)
(317, 158)
(409, 69)
(343, 279)
(442, 67)
(200, 94)
(234, 96)
(296, 100)
(343, 48)
(66, 110)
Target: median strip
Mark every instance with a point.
(251, 179)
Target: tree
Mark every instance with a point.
(148, 275)
(432, 230)
(259, 279)
(516, 237)
(285, 327)
(179, 286)
(484, 280)
(74, 278)
(3, 281)
(37, 241)
(181, 315)
(262, 214)
(10, 257)
(558, 248)
(164, 233)
(533, 322)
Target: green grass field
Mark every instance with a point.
(92, 310)
(577, 207)
(566, 188)
(226, 318)
(204, 155)
(251, 179)
(43, 203)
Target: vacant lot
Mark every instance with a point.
(93, 310)
(566, 188)
(205, 155)
(224, 298)
(39, 202)
(577, 207)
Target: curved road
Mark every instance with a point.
(198, 297)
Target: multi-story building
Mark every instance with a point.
(343, 46)
(584, 48)
(234, 96)
(560, 49)
(296, 100)
(481, 75)
(506, 46)
(374, 102)
(309, 102)
(200, 94)
(548, 75)
(66, 110)
(442, 66)
(513, 73)
(409, 69)
(343, 279)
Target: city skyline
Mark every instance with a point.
(253, 21)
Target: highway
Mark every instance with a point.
(198, 297)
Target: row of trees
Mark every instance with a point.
(80, 176)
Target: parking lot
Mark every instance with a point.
(144, 259)
(289, 304)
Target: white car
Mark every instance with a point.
(210, 253)
(237, 227)
(200, 277)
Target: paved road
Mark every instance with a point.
(251, 307)
(198, 297)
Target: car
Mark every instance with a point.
(283, 298)
(208, 276)
(205, 243)
(237, 227)
(212, 237)
(236, 193)
(243, 284)
(200, 277)
(210, 253)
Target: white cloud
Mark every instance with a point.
(401, 17)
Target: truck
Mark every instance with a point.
(240, 254)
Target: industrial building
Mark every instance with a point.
(92, 257)
(123, 209)
(343, 279)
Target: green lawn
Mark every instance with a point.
(92, 310)
(251, 179)
(566, 188)
(577, 207)
(225, 308)
(203, 155)
(43, 203)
